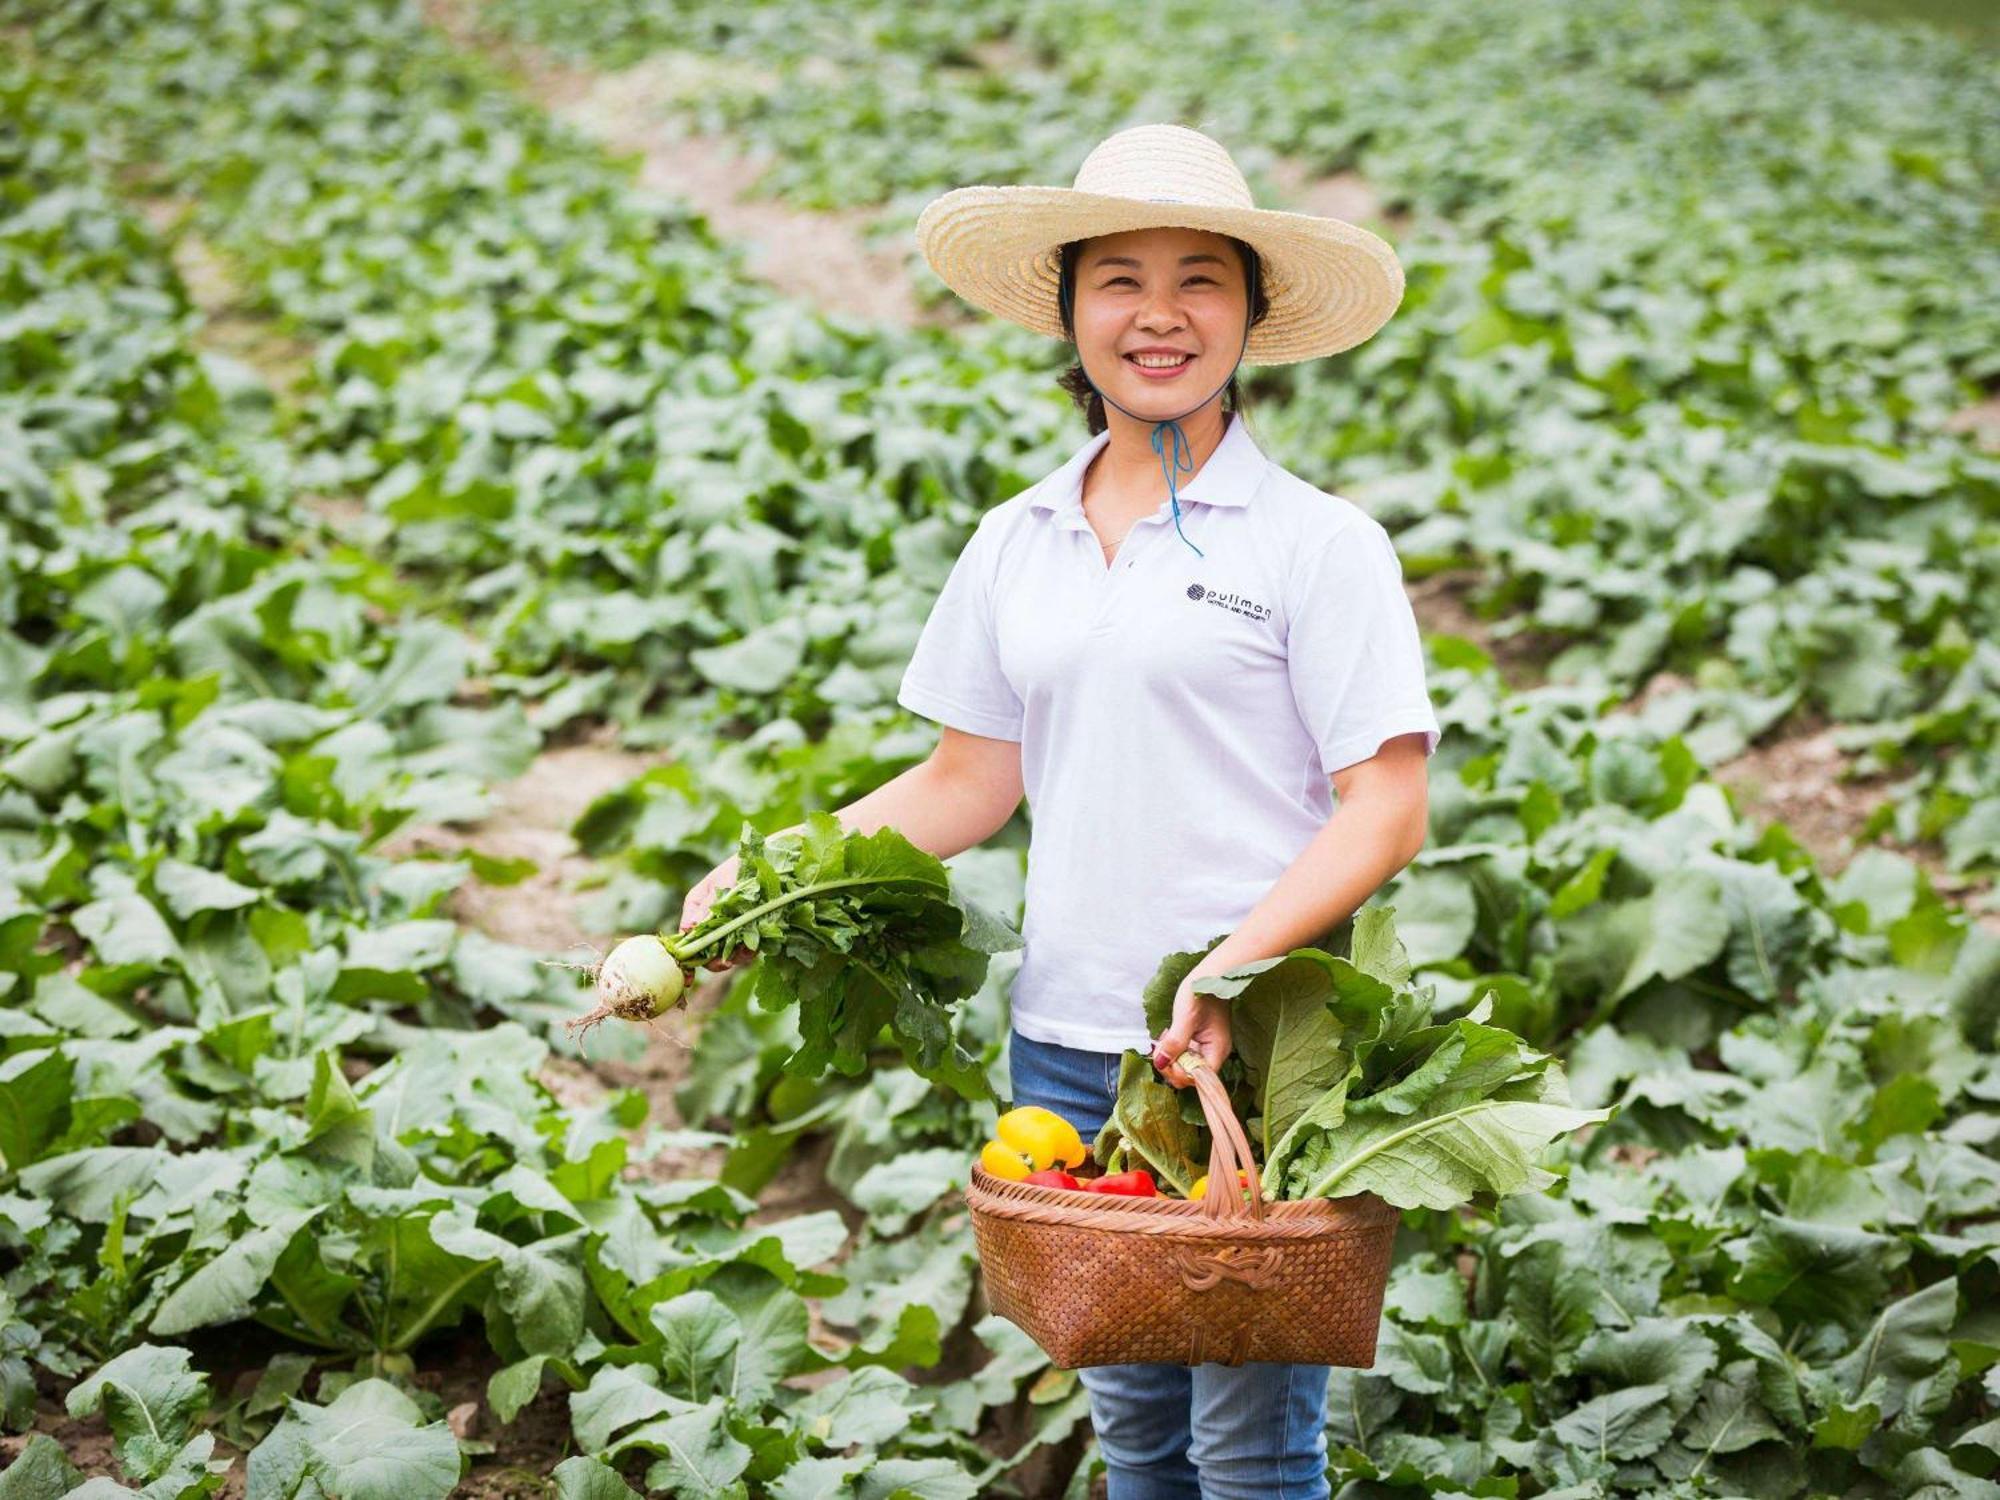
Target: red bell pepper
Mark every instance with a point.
(1134, 1184)
(1051, 1178)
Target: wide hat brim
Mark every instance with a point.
(1330, 284)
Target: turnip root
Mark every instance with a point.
(642, 979)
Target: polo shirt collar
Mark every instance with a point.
(1230, 477)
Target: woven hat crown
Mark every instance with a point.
(1164, 164)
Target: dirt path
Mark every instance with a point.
(819, 258)
(230, 324)
(1442, 606)
(1981, 421)
(1801, 778)
(531, 819)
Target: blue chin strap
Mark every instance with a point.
(1181, 459)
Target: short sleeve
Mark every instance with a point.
(1354, 655)
(954, 675)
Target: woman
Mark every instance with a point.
(1182, 654)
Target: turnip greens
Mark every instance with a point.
(857, 931)
(1346, 1085)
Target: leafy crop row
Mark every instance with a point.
(251, 1072)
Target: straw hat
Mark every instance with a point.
(1330, 284)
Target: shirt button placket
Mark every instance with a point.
(1114, 576)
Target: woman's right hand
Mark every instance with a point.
(701, 898)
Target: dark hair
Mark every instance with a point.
(1077, 383)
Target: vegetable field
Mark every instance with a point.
(427, 547)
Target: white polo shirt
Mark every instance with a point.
(1178, 715)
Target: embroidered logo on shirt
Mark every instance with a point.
(1236, 604)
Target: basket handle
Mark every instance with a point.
(1228, 1148)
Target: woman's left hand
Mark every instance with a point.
(1200, 1022)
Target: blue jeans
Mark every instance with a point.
(1255, 1431)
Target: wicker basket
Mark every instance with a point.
(1097, 1280)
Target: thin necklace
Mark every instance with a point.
(1107, 546)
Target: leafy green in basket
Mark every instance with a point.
(1147, 1117)
(1346, 1087)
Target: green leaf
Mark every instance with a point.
(151, 1397)
(1442, 1134)
(511, 1388)
(1326, 1113)
(426, 666)
(859, 932)
(88, 1184)
(1728, 1417)
(40, 1471)
(895, 1191)
(188, 1477)
(615, 1399)
(371, 1443)
(1814, 1270)
(1906, 1105)
(698, 1342)
(540, 1286)
(34, 1105)
(426, 1286)
(869, 1407)
(1552, 1304)
(913, 1339)
(916, 1479)
(1907, 1343)
(1284, 1032)
(757, 663)
(1147, 1117)
(189, 890)
(1688, 926)
(1420, 1363)
(819, 1478)
(1845, 1426)
(1653, 1351)
(774, 1327)
(225, 1289)
(1375, 949)
(700, 1458)
(1436, 915)
(1159, 992)
(127, 929)
(1421, 1292)
(1777, 1378)
(387, 963)
(588, 1479)
(1927, 1474)
(1628, 1423)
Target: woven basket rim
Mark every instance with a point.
(1310, 1218)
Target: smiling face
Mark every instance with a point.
(1159, 316)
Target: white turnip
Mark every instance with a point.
(641, 979)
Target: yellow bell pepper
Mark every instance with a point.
(1200, 1189)
(1041, 1135)
(1004, 1161)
